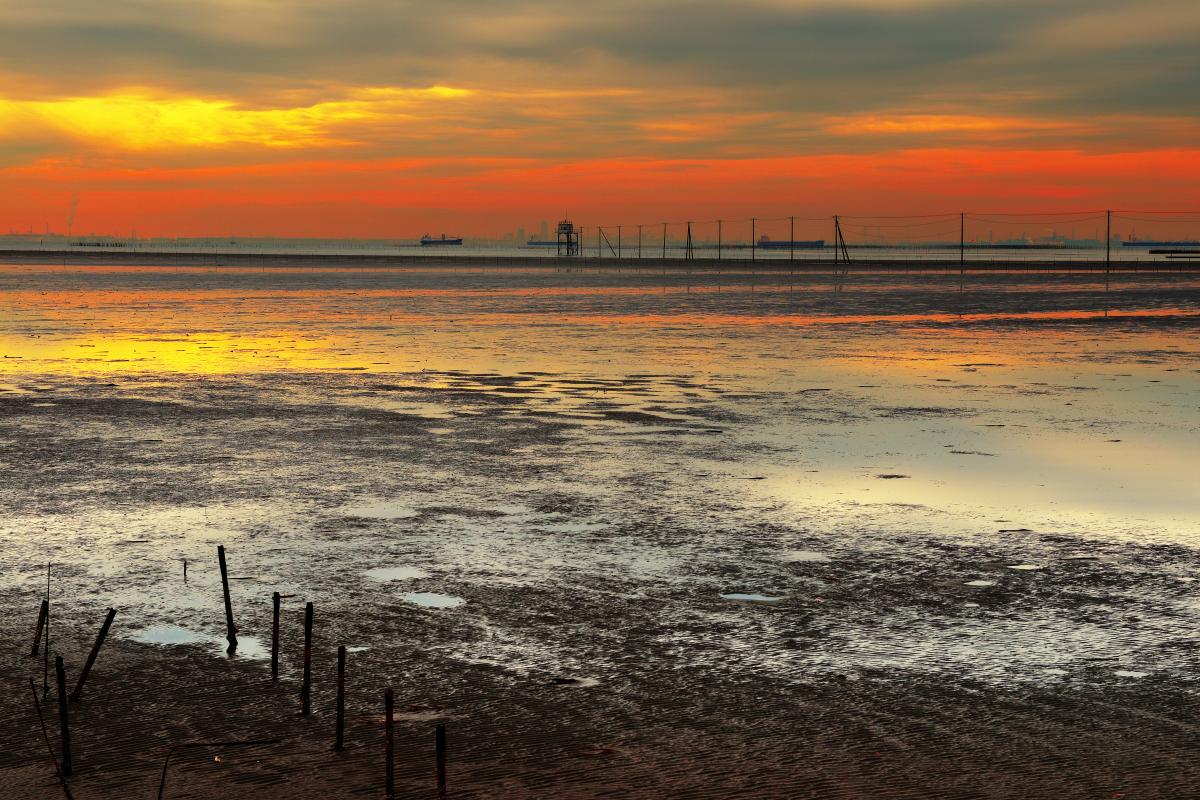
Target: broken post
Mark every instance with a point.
(62, 714)
(230, 628)
(389, 783)
(91, 659)
(341, 698)
(275, 638)
(440, 738)
(306, 687)
(41, 623)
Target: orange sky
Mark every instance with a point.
(255, 118)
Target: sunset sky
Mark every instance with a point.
(387, 118)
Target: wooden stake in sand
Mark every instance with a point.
(46, 738)
(91, 659)
(341, 699)
(389, 781)
(275, 638)
(306, 687)
(440, 739)
(46, 660)
(41, 623)
(230, 628)
(62, 714)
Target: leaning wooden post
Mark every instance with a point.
(440, 738)
(389, 781)
(230, 628)
(341, 698)
(91, 659)
(41, 623)
(306, 687)
(275, 638)
(61, 673)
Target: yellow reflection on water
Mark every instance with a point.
(208, 354)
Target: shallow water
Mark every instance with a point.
(169, 635)
(579, 454)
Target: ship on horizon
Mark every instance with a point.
(429, 241)
(766, 243)
(1133, 241)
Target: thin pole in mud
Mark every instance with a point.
(185, 570)
(230, 628)
(46, 738)
(639, 241)
(341, 698)
(46, 658)
(43, 610)
(63, 727)
(91, 659)
(275, 637)
(720, 224)
(664, 241)
(440, 744)
(791, 239)
(389, 780)
(306, 687)
(753, 243)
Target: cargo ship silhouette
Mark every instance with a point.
(766, 243)
(429, 241)
(1133, 241)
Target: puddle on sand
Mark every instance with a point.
(752, 598)
(1025, 567)
(804, 555)
(1125, 673)
(170, 635)
(395, 573)
(383, 509)
(980, 583)
(433, 600)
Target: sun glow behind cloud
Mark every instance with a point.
(136, 119)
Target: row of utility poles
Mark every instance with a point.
(840, 252)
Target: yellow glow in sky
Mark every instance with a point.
(138, 120)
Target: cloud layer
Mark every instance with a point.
(241, 84)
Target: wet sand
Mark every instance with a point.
(893, 536)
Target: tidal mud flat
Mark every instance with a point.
(627, 535)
